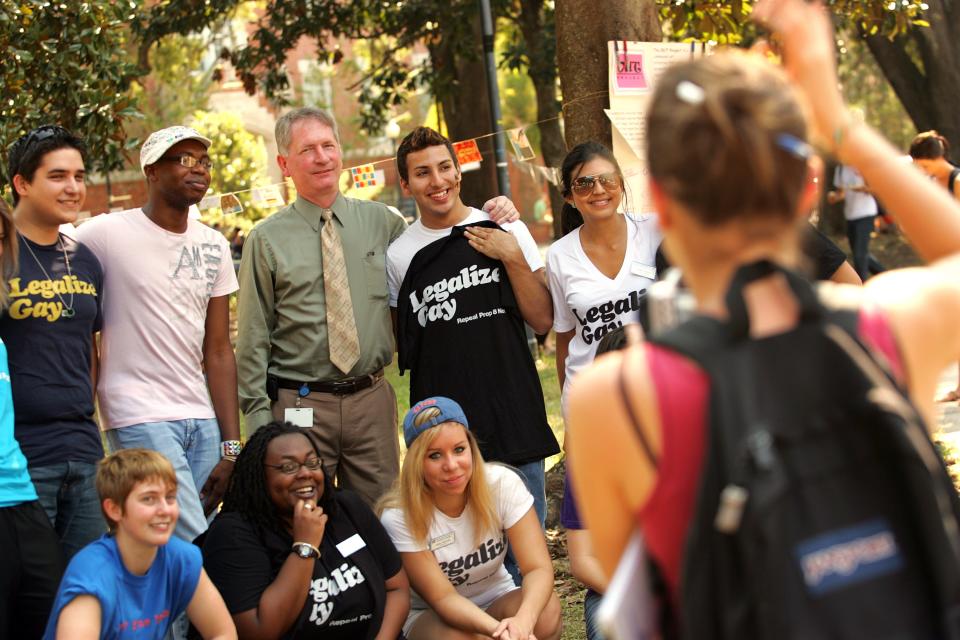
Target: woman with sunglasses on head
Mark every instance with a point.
(599, 270)
(295, 558)
(451, 516)
(734, 196)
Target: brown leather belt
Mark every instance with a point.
(343, 387)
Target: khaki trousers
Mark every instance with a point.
(356, 435)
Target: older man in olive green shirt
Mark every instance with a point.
(283, 352)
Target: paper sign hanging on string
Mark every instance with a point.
(552, 174)
(380, 176)
(632, 126)
(268, 196)
(363, 176)
(209, 203)
(468, 155)
(629, 73)
(230, 204)
(521, 145)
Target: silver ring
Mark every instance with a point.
(308, 507)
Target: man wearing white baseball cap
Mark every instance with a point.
(166, 316)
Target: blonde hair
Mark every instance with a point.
(119, 473)
(8, 261)
(413, 497)
(726, 138)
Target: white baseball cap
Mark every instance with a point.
(160, 141)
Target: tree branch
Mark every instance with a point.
(907, 80)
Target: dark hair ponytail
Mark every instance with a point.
(929, 145)
(584, 152)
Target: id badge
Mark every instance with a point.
(440, 542)
(351, 545)
(299, 416)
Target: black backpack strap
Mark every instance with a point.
(632, 414)
(952, 179)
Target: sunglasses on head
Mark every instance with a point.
(584, 184)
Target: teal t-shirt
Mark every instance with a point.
(15, 485)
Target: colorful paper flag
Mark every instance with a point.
(468, 155)
(521, 145)
(363, 176)
(268, 196)
(229, 204)
(209, 203)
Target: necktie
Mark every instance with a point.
(341, 326)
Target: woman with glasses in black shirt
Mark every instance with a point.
(295, 558)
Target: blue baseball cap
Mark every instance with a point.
(450, 411)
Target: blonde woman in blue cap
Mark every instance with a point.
(450, 517)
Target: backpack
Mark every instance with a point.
(824, 508)
(952, 179)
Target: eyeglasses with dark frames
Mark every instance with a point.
(188, 161)
(584, 184)
(291, 467)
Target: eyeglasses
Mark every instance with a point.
(290, 467)
(584, 184)
(189, 161)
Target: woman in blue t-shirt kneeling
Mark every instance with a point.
(134, 581)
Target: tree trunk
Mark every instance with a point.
(929, 94)
(466, 111)
(535, 23)
(583, 30)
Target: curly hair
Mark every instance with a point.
(247, 492)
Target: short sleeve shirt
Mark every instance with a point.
(242, 562)
(474, 568)
(417, 236)
(49, 325)
(156, 290)
(589, 303)
(132, 607)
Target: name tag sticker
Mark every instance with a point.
(300, 417)
(643, 270)
(440, 542)
(351, 545)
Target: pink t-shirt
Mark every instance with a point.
(156, 288)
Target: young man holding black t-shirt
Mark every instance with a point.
(461, 289)
(48, 328)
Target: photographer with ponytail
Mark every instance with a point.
(731, 201)
(295, 558)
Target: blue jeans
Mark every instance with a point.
(858, 235)
(591, 602)
(532, 474)
(193, 447)
(68, 494)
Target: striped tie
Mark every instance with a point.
(341, 326)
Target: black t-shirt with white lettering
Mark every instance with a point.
(461, 335)
(49, 349)
(346, 596)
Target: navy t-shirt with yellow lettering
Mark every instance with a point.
(49, 349)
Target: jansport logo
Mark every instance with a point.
(435, 302)
(847, 556)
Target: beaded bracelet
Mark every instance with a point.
(230, 448)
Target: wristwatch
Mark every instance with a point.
(305, 550)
